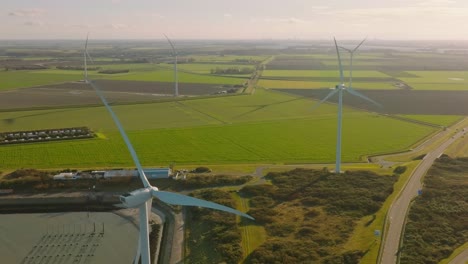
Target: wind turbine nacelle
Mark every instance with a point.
(136, 198)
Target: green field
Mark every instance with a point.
(265, 127)
(168, 76)
(328, 73)
(138, 72)
(225, 58)
(205, 68)
(20, 79)
(437, 80)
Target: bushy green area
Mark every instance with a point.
(213, 236)
(310, 214)
(438, 219)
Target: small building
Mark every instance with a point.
(120, 173)
(6, 191)
(151, 173)
(159, 173)
(66, 176)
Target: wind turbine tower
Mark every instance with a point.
(174, 54)
(85, 57)
(339, 89)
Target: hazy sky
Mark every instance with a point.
(235, 19)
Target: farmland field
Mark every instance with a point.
(327, 73)
(77, 93)
(260, 131)
(268, 126)
(400, 101)
(443, 120)
(205, 68)
(281, 84)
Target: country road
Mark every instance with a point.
(461, 258)
(397, 214)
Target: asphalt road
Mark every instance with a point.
(397, 214)
(461, 258)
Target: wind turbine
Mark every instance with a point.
(174, 53)
(143, 198)
(339, 89)
(86, 56)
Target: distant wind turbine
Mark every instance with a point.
(174, 54)
(339, 89)
(143, 198)
(86, 56)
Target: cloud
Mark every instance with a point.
(27, 12)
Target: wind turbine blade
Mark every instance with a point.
(339, 62)
(357, 47)
(89, 57)
(358, 94)
(179, 199)
(348, 50)
(84, 61)
(86, 43)
(123, 134)
(324, 99)
(172, 45)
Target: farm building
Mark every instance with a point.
(66, 176)
(157, 173)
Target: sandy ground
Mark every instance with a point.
(80, 237)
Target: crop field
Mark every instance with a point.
(328, 73)
(400, 101)
(264, 128)
(168, 76)
(138, 72)
(18, 79)
(268, 126)
(437, 80)
(233, 59)
(443, 120)
(281, 84)
(75, 94)
(206, 68)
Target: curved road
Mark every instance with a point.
(397, 214)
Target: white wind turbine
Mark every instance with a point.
(85, 57)
(339, 89)
(142, 198)
(174, 54)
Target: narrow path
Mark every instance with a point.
(461, 258)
